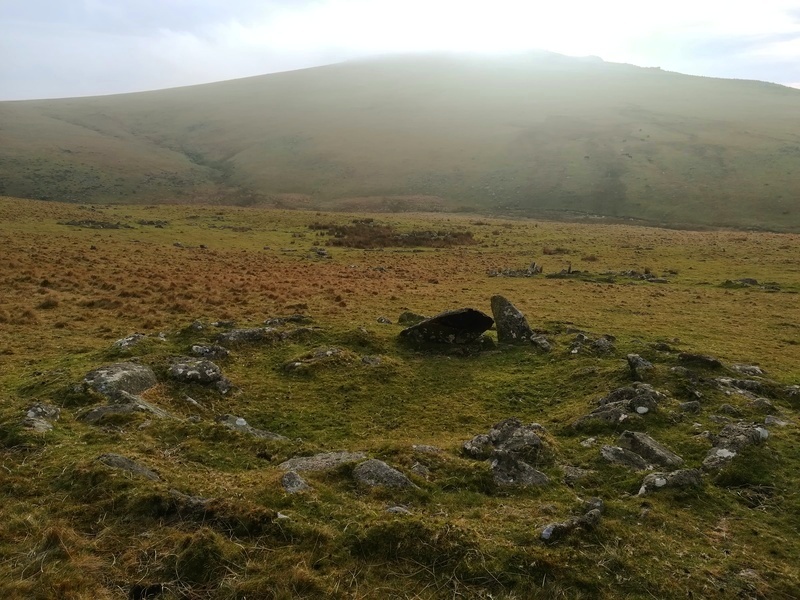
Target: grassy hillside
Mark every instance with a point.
(537, 134)
(217, 523)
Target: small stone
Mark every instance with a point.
(398, 510)
(772, 420)
(701, 360)
(321, 462)
(384, 320)
(193, 370)
(589, 442)
(128, 342)
(374, 473)
(623, 457)
(293, 483)
(116, 461)
(683, 478)
(649, 449)
(239, 424)
(638, 366)
(212, 352)
(693, 406)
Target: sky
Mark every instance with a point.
(62, 48)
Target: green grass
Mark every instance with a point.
(526, 135)
(72, 528)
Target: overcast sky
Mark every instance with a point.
(56, 48)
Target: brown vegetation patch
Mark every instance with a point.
(365, 233)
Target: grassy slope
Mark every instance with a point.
(73, 529)
(528, 134)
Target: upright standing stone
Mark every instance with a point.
(512, 327)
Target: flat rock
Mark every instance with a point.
(293, 483)
(733, 438)
(623, 457)
(461, 326)
(374, 473)
(319, 357)
(117, 461)
(649, 449)
(126, 377)
(512, 327)
(749, 370)
(195, 370)
(510, 471)
(683, 478)
(210, 352)
(99, 414)
(239, 424)
(322, 462)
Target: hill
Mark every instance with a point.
(537, 134)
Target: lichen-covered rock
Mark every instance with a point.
(322, 462)
(749, 370)
(603, 345)
(508, 470)
(132, 405)
(40, 417)
(556, 531)
(374, 473)
(512, 327)
(733, 438)
(195, 370)
(624, 458)
(112, 381)
(128, 342)
(638, 366)
(239, 424)
(293, 483)
(210, 352)
(511, 436)
(683, 478)
(116, 461)
(649, 449)
(461, 326)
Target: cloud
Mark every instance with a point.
(77, 47)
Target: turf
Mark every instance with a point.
(72, 528)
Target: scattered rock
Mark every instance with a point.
(384, 320)
(426, 449)
(212, 352)
(239, 424)
(556, 531)
(128, 342)
(512, 327)
(398, 510)
(321, 462)
(772, 420)
(508, 470)
(460, 326)
(693, 406)
(318, 357)
(420, 469)
(297, 319)
(731, 440)
(372, 361)
(624, 458)
(574, 474)
(193, 370)
(116, 461)
(118, 379)
(749, 370)
(729, 409)
(589, 442)
(40, 417)
(132, 405)
(603, 345)
(649, 449)
(700, 360)
(638, 366)
(293, 483)
(509, 436)
(374, 472)
(762, 405)
(541, 343)
(683, 478)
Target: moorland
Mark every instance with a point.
(186, 496)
